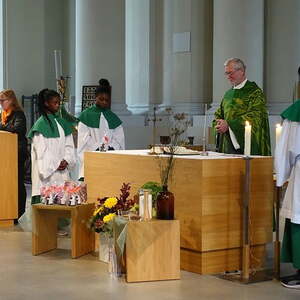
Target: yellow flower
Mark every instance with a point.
(108, 218)
(110, 202)
(97, 211)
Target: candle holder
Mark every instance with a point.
(204, 152)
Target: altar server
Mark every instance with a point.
(287, 163)
(99, 128)
(52, 151)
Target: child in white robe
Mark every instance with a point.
(287, 163)
(99, 126)
(52, 151)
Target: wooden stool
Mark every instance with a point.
(44, 228)
(153, 250)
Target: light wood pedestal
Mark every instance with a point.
(153, 250)
(44, 228)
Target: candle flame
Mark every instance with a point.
(247, 123)
(278, 125)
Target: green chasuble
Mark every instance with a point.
(239, 106)
(48, 127)
(91, 117)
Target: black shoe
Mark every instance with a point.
(291, 283)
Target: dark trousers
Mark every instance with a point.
(21, 188)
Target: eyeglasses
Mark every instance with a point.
(231, 73)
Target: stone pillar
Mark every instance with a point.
(138, 55)
(238, 32)
(282, 52)
(100, 46)
(187, 77)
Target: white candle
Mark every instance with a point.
(247, 147)
(58, 66)
(278, 132)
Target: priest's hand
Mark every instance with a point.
(63, 165)
(222, 126)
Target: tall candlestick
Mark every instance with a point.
(58, 65)
(204, 131)
(278, 132)
(247, 147)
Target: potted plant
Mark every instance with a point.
(178, 124)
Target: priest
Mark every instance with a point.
(287, 164)
(245, 101)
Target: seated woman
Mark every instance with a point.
(52, 152)
(98, 126)
(13, 120)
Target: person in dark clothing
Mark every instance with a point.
(13, 120)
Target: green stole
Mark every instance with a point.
(292, 113)
(48, 127)
(91, 117)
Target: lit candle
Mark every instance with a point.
(278, 132)
(58, 66)
(247, 147)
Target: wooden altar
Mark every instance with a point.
(208, 201)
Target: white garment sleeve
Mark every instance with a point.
(234, 141)
(70, 151)
(86, 142)
(287, 151)
(46, 163)
(117, 138)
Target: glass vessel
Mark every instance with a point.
(165, 204)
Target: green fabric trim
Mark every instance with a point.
(42, 125)
(292, 113)
(120, 234)
(290, 251)
(35, 199)
(91, 117)
(239, 106)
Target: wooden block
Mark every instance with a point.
(153, 250)
(83, 239)
(44, 228)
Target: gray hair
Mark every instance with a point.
(238, 63)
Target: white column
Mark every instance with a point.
(138, 55)
(238, 32)
(282, 52)
(100, 46)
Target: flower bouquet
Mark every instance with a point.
(108, 207)
(105, 211)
